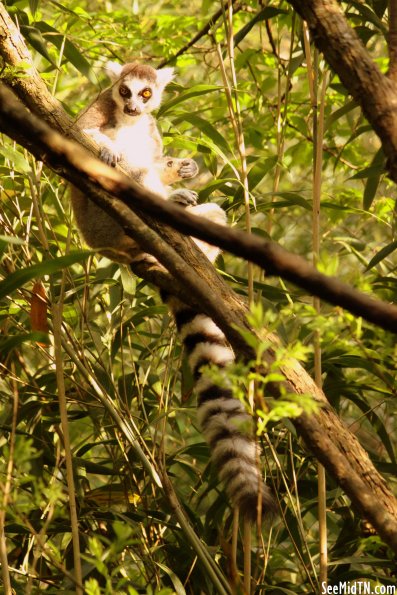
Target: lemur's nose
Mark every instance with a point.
(131, 110)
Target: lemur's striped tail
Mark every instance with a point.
(226, 425)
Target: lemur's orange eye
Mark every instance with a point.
(146, 93)
(124, 91)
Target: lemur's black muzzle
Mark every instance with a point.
(131, 110)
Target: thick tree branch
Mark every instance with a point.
(392, 40)
(335, 446)
(268, 255)
(19, 73)
(24, 128)
(343, 50)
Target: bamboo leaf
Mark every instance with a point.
(10, 343)
(381, 255)
(195, 91)
(71, 52)
(37, 41)
(48, 267)
(206, 128)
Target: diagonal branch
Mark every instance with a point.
(343, 50)
(336, 447)
(200, 34)
(268, 255)
(30, 132)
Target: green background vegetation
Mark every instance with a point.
(121, 355)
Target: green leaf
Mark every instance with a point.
(207, 129)
(76, 13)
(47, 267)
(33, 5)
(379, 7)
(70, 51)
(17, 159)
(11, 240)
(379, 256)
(195, 91)
(367, 172)
(179, 588)
(266, 13)
(256, 174)
(220, 184)
(291, 198)
(373, 173)
(369, 15)
(10, 343)
(296, 62)
(339, 113)
(128, 280)
(37, 41)
(370, 190)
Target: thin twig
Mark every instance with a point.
(318, 136)
(271, 40)
(7, 491)
(240, 141)
(198, 35)
(60, 378)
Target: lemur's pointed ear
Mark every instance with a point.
(165, 76)
(113, 70)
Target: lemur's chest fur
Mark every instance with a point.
(137, 141)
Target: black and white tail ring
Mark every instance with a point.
(226, 425)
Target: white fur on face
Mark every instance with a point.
(136, 86)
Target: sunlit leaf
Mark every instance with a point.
(70, 51)
(37, 41)
(194, 91)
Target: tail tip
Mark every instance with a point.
(249, 505)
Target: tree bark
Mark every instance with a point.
(343, 50)
(324, 433)
(392, 40)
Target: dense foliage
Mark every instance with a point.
(129, 407)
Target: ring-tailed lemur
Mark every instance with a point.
(120, 122)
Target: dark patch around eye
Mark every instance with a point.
(124, 91)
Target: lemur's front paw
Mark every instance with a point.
(184, 197)
(109, 157)
(188, 169)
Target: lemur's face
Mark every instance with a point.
(136, 97)
(137, 89)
